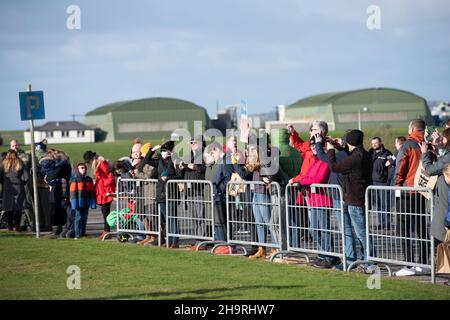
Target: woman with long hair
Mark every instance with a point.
(13, 178)
(105, 185)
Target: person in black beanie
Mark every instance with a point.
(356, 170)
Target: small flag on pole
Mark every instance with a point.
(244, 126)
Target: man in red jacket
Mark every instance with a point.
(408, 226)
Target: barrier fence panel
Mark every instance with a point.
(314, 221)
(190, 210)
(398, 221)
(137, 208)
(253, 214)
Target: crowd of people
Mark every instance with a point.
(66, 194)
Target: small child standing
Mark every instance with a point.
(82, 197)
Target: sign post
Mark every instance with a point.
(31, 108)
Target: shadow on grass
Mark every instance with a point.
(199, 294)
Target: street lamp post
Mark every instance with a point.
(364, 109)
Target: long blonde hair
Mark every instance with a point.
(252, 161)
(12, 161)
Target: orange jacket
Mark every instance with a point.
(408, 160)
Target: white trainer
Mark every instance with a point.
(405, 271)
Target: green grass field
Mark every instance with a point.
(36, 269)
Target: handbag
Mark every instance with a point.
(234, 188)
(443, 255)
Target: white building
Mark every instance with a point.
(61, 132)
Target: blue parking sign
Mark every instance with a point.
(32, 105)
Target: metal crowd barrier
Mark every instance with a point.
(253, 215)
(137, 208)
(398, 221)
(190, 211)
(314, 221)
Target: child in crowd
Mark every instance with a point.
(82, 197)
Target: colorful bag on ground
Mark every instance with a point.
(443, 255)
(125, 215)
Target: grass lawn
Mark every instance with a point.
(36, 269)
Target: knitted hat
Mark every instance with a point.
(145, 148)
(355, 137)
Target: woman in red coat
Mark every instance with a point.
(105, 184)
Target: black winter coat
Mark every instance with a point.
(356, 171)
(13, 189)
(380, 173)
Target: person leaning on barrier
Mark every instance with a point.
(356, 170)
(407, 162)
(434, 166)
(166, 171)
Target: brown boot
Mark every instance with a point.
(147, 239)
(260, 254)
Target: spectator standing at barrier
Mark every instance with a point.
(434, 167)
(380, 177)
(409, 226)
(319, 218)
(316, 127)
(356, 170)
(260, 198)
(390, 164)
(146, 171)
(13, 177)
(193, 168)
(166, 172)
(213, 156)
(338, 179)
(105, 184)
(82, 197)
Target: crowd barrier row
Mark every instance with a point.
(303, 221)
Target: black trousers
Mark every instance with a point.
(106, 208)
(412, 228)
(13, 218)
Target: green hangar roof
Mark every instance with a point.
(151, 118)
(374, 106)
(144, 105)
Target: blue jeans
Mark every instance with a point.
(319, 223)
(219, 233)
(81, 216)
(262, 216)
(357, 219)
(350, 242)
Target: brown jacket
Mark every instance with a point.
(408, 160)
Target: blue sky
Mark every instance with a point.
(266, 52)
